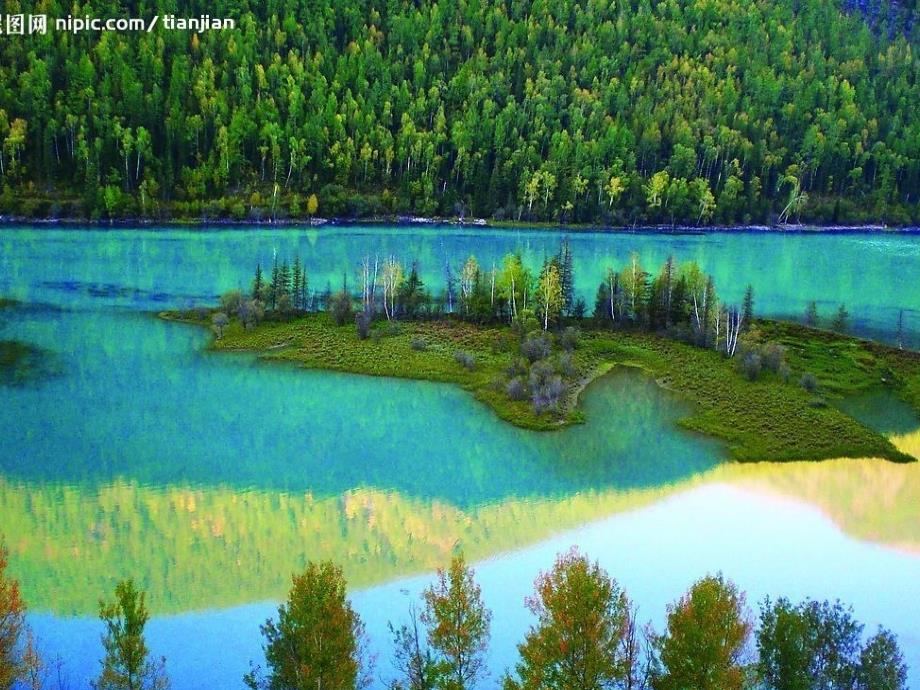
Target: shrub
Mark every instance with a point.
(751, 364)
(568, 339)
(230, 301)
(773, 356)
(755, 358)
(536, 347)
(518, 368)
(363, 324)
(340, 308)
(465, 360)
(197, 313)
(809, 382)
(546, 388)
(785, 373)
(284, 305)
(250, 313)
(516, 389)
(566, 366)
(219, 321)
(418, 344)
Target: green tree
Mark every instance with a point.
(514, 284)
(881, 664)
(411, 296)
(127, 664)
(317, 641)
(418, 667)
(258, 283)
(841, 321)
(817, 645)
(395, 108)
(747, 306)
(811, 314)
(579, 639)
(549, 293)
(656, 190)
(458, 625)
(706, 638)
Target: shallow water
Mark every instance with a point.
(210, 477)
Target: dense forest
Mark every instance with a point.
(609, 111)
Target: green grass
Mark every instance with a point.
(766, 419)
(844, 365)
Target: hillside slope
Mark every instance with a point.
(617, 111)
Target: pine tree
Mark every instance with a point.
(273, 285)
(811, 314)
(284, 281)
(747, 307)
(304, 288)
(602, 302)
(565, 264)
(257, 283)
(841, 320)
(296, 289)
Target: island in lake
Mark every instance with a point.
(651, 394)
(525, 343)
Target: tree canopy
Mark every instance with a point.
(579, 110)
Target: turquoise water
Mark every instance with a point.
(140, 454)
(876, 274)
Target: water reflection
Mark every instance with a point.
(210, 478)
(140, 402)
(195, 548)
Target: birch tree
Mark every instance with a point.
(469, 274)
(392, 278)
(368, 276)
(550, 293)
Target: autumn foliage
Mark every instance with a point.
(317, 641)
(582, 624)
(706, 638)
(12, 626)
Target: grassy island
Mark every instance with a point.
(763, 419)
(523, 344)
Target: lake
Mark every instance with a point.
(209, 478)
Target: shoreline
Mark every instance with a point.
(401, 221)
(738, 412)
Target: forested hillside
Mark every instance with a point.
(612, 111)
